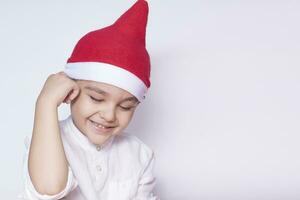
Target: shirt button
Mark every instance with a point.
(98, 148)
(99, 168)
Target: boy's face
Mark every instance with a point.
(99, 104)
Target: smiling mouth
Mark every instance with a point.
(101, 128)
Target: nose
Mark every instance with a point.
(108, 114)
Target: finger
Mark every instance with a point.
(73, 96)
(67, 97)
(74, 93)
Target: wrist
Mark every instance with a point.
(46, 102)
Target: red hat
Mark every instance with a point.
(115, 54)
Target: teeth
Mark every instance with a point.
(99, 125)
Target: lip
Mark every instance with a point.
(98, 130)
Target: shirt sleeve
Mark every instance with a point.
(147, 182)
(30, 193)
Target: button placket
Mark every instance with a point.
(100, 174)
(98, 162)
(99, 171)
(99, 168)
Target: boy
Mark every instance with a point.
(87, 156)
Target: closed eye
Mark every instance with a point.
(100, 100)
(97, 100)
(125, 108)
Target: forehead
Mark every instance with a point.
(105, 89)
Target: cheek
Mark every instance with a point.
(82, 107)
(125, 118)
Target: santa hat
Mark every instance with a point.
(115, 54)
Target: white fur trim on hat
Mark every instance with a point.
(110, 74)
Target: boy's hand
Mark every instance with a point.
(59, 88)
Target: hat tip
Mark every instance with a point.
(143, 1)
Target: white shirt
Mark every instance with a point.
(121, 169)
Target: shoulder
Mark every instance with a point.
(129, 143)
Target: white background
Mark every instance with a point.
(222, 114)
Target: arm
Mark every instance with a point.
(48, 167)
(47, 163)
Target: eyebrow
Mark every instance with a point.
(99, 91)
(95, 89)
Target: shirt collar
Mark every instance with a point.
(84, 141)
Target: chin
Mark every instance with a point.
(98, 140)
